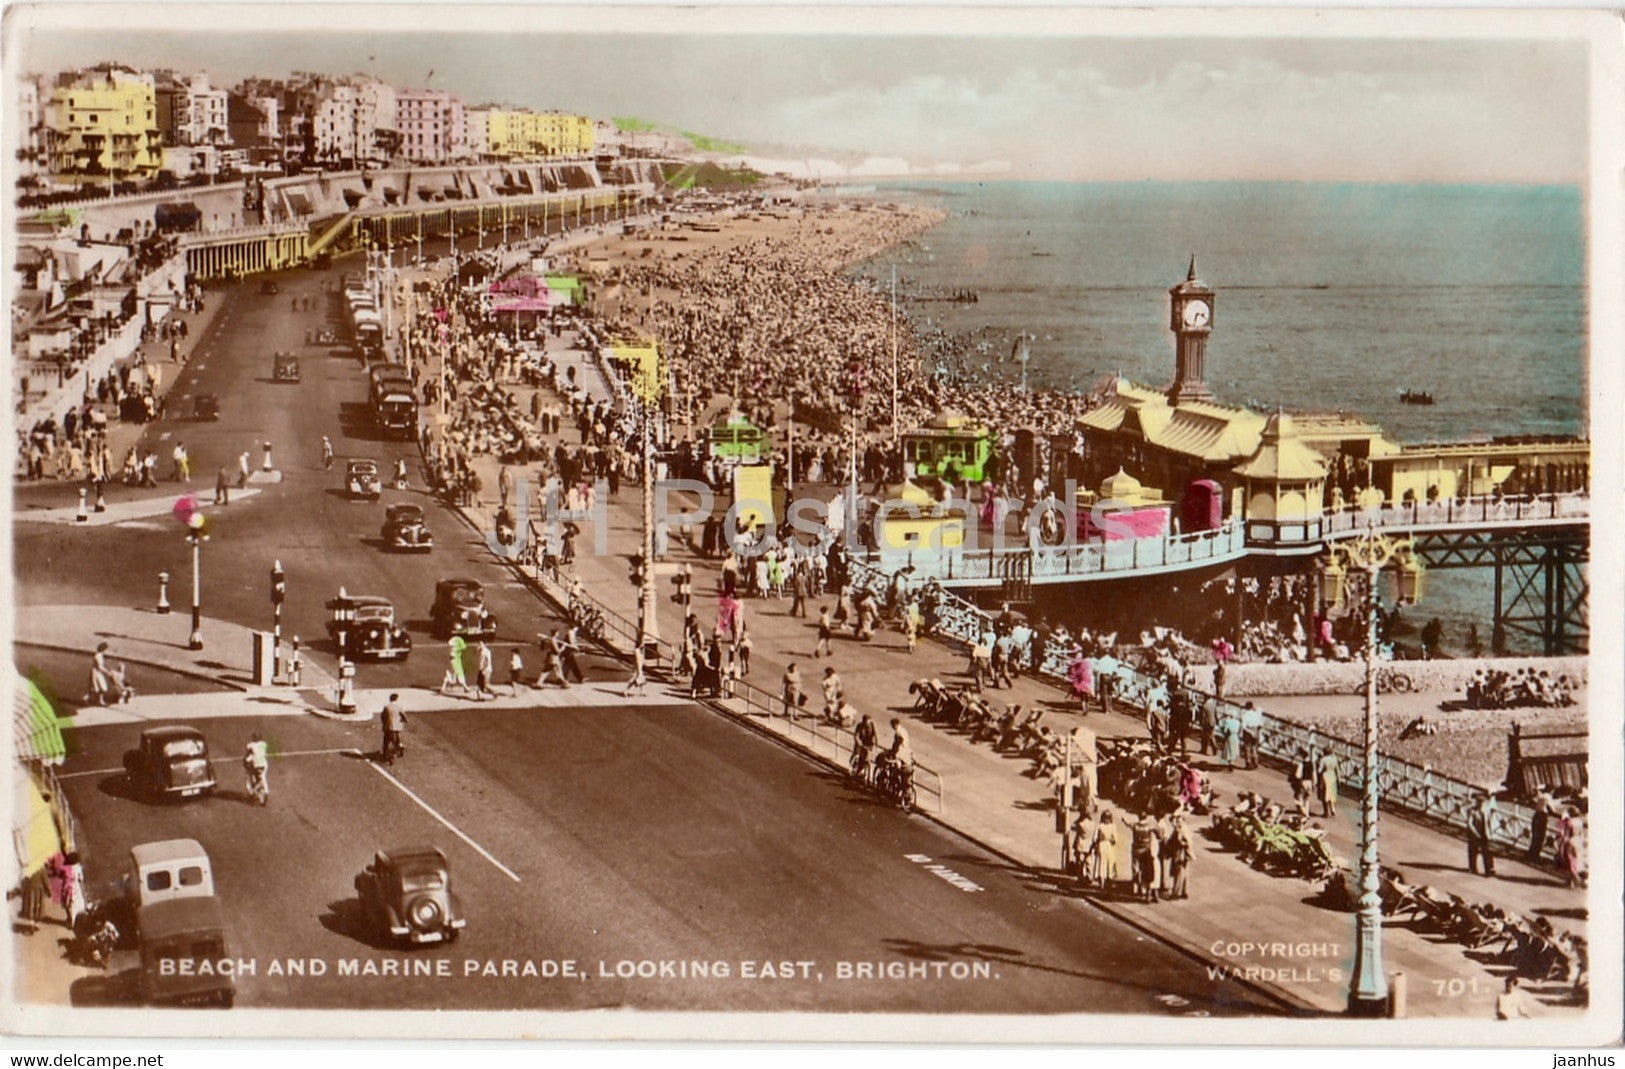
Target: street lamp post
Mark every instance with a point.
(195, 538)
(1368, 987)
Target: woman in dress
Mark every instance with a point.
(1326, 783)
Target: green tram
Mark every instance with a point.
(741, 441)
(952, 448)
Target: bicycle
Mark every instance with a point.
(1393, 681)
(259, 787)
(863, 765)
(896, 782)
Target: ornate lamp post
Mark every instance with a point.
(195, 537)
(1368, 987)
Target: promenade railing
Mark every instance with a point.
(1400, 784)
(1038, 563)
(1480, 511)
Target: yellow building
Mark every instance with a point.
(104, 125)
(511, 134)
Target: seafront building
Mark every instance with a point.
(102, 125)
(432, 126)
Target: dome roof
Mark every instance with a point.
(1121, 485)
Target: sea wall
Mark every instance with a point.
(1348, 677)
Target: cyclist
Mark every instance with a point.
(897, 761)
(256, 762)
(864, 739)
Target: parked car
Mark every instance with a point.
(184, 960)
(406, 895)
(285, 367)
(361, 479)
(205, 406)
(459, 609)
(365, 626)
(170, 868)
(404, 529)
(269, 287)
(171, 762)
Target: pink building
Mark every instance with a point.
(431, 124)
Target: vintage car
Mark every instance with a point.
(183, 953)
(459, 609)
(285, 368)
(270, 288)
(404, 529)
(364, 627)
(406, 895)
(361, 479)
(205, 406)
(171, 762)
(170, 868)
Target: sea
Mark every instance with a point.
(1330, 297)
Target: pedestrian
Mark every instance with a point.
(798, 590)
(393, 719)
(454, 666)
(832, 694)
(1299, 778)
(222, 488)
(1478, 835)
(1510, 1004)
(516, 669)
(1143, 855)
(794, 699)
(1544, 810)
(826, 631)
(327, 452)
(570, 645)
(552, 665)
(1220, 673)
(911, 624)
(483, 673)
(242, 469)
(1326, 783)
(742, 648)
(639, 683)
(1178, 849)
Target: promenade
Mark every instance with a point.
(1236, 916)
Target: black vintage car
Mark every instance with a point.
(459, 609)
(285, 367)
(406, 896)
(171, 762)
(206, 406)
(364, 627)
(404, 529)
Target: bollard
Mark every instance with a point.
(1396, 995)
(163, 592)
(346, 688)
(266, 465)
(81, 516)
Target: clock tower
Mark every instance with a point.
(1190, 317)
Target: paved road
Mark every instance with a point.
(636, 834)
(648, 835)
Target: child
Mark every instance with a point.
(516, 665)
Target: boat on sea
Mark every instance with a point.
(1415, 397)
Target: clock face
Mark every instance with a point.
(1196, 314)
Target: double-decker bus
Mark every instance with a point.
(951, 448)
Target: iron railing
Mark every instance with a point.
(1400, 784)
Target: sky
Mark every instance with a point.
(1015, 98)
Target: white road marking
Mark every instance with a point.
(164, 435)
(454, 829)
(285, 753)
